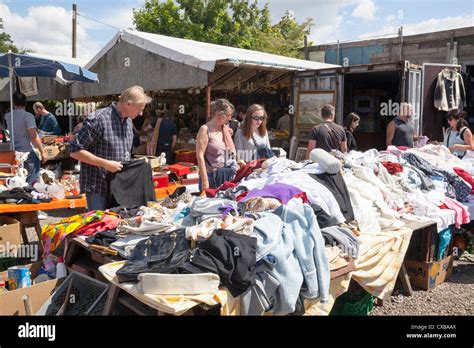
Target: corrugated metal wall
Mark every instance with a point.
(353, 55)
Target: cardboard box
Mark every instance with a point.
(48, 138)
(11, 302)
(153, 160)
(56, 151)
(10, 237)
(427, 275)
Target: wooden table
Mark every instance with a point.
(79, 254)
(27, 214)
(422, 247)
(54, 204)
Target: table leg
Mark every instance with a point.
(24, 235)
(403, 276)
(71, 252)
(38, 233)
(111, 301)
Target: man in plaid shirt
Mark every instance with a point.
(104, 142)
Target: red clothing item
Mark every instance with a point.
(241, 196)
(466, 176)
(303, 196)
(443, 206)
(248, 169)
(211, 193)
(403, 148)
(108, 222)
(392, 167)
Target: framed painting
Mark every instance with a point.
(309, 104)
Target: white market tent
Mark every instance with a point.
(158, 62)
(204, 55)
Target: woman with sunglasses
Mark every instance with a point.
(252, 136)
(458, 137)
(215, 150)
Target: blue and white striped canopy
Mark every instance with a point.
(31, 66)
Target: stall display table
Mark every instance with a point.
(80, 255)
(27, 215)
(54, 204)
(423, 247)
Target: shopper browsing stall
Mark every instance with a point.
(458, 137)
(215, 150)
(251, 139)
(327, 135)
(48, 122)
(26, 136)
(237, 119)
(284, 122)
(400, 131)
(104, 142)
(164, 136)
(351, 122)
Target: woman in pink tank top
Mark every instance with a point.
(214, 145)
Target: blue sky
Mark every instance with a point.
(45, 25)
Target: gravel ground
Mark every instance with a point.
(454, 297)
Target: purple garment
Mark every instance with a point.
(282, 192)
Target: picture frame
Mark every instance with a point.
(309, 104)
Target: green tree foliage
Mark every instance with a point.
(6, 43)
(237, 23)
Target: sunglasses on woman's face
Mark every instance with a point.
(258, 118)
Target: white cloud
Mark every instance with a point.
(122, 19)
(366, 10)
(426, 26)
(47, 30)
(390, 18)
(329, 16)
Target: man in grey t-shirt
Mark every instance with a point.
(26, 136)
(327, 135)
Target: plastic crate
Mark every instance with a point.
(355, 304)
(90, 296)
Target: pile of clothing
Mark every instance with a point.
(415, 184)
(90, 223)
(272, 236)
(23, 195)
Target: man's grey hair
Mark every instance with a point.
(221, 106)
(38, 106)
(134, 95)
